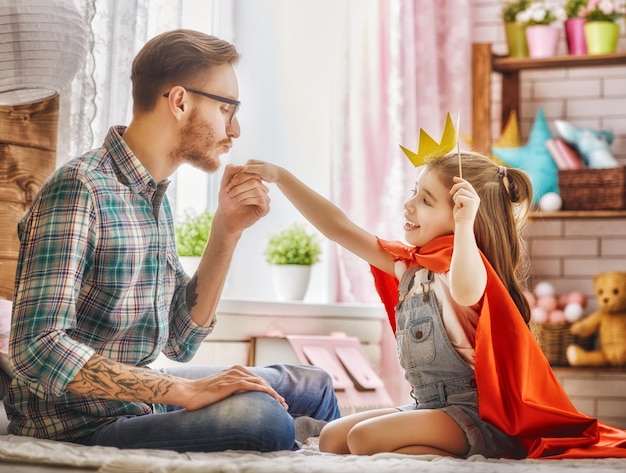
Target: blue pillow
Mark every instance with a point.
(534, 158)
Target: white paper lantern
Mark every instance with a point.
(42, 46)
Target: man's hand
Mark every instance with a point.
(104, 378)
(214, 388)
(243, 202)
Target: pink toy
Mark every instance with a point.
(593, 145)
(557, 317)
(548, 303)
(548, 307)
(578, 298)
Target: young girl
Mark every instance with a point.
(459, 294)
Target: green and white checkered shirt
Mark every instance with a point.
(97, 273)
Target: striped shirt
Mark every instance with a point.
(97, 273)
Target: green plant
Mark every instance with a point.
(292, 245)
(573, 8)
(192, 233)
(511, 8)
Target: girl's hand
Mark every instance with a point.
(468, 276)
(266, 171)
(466, 201)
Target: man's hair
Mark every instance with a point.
(178, 57)
(505, 200)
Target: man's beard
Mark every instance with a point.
(197, 146)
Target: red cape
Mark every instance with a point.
(517, 389)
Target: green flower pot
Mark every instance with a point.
(601, 37)
(516, 39)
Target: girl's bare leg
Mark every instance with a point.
(410, 432)
(334, 435)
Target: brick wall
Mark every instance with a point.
(591, 97)
(597, 393)
(568, 252)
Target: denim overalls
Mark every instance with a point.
(440, 378)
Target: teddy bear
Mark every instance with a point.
(609, 322)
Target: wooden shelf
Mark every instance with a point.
(505, 64)
(565, 214)
(485, 63)
(590, 369)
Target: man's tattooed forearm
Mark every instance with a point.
(102, 377)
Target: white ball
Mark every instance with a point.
(550, 202)
(573, 312)
(539, 315)
(544, 288)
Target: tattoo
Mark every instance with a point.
(104, 378)
(191, 293)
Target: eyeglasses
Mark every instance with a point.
(235, 104)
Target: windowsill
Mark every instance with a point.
(301, 309)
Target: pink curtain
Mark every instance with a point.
(408, 63)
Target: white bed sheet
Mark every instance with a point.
(25, 455)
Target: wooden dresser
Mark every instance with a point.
(28, 140)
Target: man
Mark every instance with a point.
(100, 291)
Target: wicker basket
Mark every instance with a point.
(593, 188)
(553, 339)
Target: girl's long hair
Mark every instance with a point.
(505, 201)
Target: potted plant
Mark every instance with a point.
(574, 8)
(575, 27)
(542, 20)
(292, 251)
(514, 31)
(601, 28)
(192, 234)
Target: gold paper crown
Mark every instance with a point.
(428, 147)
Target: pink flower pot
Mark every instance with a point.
(543, 40)
(575, 36)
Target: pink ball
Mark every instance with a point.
(577, 297)
(557, 317)
(548, 303)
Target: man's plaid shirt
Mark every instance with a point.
(97, 273)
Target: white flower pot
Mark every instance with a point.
(291, 281)
(190, 264)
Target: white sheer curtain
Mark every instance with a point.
(408, 64)
(100, 94)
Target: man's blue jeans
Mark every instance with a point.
(244, 421)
